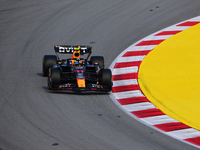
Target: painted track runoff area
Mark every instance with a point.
(127, 93)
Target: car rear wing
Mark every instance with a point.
(69, 49)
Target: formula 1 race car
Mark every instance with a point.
(76, 73)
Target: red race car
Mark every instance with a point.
(76, 73)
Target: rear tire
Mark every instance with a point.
(48, 62)
(106, 78)
(53, 77)
(97, 59)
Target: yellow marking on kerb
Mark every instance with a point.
(169, 76)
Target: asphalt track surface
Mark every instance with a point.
(33, 118)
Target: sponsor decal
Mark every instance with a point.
(65, 85)
(97, 86)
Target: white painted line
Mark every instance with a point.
(125, 82)
(125, 70)
(195, 19)
(131, 58)
(138, 106)
(176, 28)
(158, 120)
(185, 133)
(128, 94)
(141, 48)
(161, 37)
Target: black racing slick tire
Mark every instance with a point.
(48, 62)
(97, 59)
(54, 77)
(106, 78)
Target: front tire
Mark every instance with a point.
(54, 77)
(48, 62)
(106, 78)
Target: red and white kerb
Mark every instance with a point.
(128, 96)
